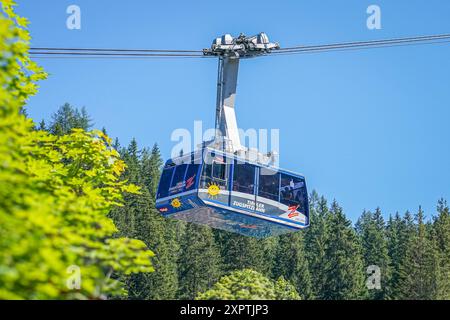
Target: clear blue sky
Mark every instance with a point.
(368, 128)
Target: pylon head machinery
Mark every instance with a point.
(242, 46)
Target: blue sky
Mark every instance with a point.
(368, 128)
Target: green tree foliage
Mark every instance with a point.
(424, 263)
(284, 290)
(138, 218)
(199, 264)
(41, 126)
(399, 232)
(67, 118)
(344, 270)
(248, 284)
(171, 231)
(270, 249)
(316, 243)
(419, 256)
(372, 232)
(151, 169)
(291, 263)
(55, 193)
(441, 226)
(240, 252)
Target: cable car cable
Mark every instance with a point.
(353, 48)
(160, 53)
(114, 50)
(109, 54)
(43, 56)
(372, 43)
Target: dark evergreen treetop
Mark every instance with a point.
(67, 118)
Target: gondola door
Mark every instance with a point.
(214, 181)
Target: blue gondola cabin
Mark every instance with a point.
(222, 191)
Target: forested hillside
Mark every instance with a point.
(327, 261)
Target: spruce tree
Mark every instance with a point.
(151, 168)
(441, 226)
(423, 259)
(316, 244)
(395, 256)
(199, 264)
(163, 284)
(137, 222)
(168, 244)
(372, 232)
(270, 249)
(344, 276)
(140, 218)
(291, 263)
(42, 126)
(131, 158)
(240, 252)
(400, 232)
(67, 118)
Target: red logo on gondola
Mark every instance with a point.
(293, 214)
(293, 211)
(163, 210)
(190, 182)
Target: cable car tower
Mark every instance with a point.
(230, 50)
(224, 184)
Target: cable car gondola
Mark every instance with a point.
(225, 185)
(226, 192)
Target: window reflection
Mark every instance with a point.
(293, 191)
(164, 183)
(244, 178)
(269, 184)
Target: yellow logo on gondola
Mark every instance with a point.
(213, 190)
(176, 203)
